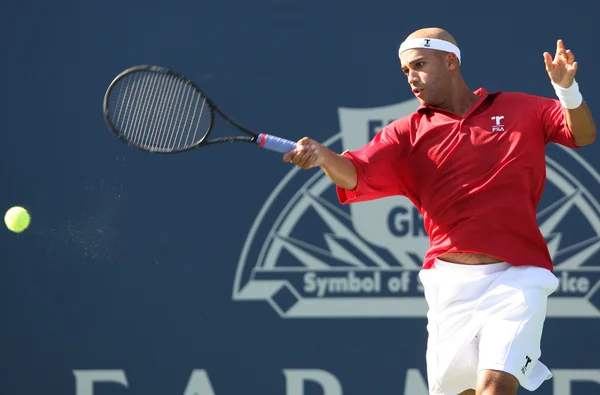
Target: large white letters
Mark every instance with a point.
(295, 378)
(85, 379)
(415, 384)
(564, 377)
(199, 384)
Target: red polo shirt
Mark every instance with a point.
(477, 180)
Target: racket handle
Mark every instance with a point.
(275, 143)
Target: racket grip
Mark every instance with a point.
(275, 143)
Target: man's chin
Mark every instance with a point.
(422, 98)
(423, 101)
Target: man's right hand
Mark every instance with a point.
(338, 168)
(308, 154)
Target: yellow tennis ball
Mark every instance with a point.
(17, 219)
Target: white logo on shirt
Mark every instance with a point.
(498, 127)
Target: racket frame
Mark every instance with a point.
(252, 137)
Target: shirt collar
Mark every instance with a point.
(479, 92)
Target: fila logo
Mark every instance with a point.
(427, 44)
(498, 127)
(524, 368)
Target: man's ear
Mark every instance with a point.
(451, 61)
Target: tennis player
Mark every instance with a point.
(473, 163)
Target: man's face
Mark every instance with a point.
(427, 74)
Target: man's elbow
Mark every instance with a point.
(583, 141)
(586, 138)
(584, 130)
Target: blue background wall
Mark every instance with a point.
(130, 260)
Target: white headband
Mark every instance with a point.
(431, 43)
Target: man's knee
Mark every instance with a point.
(494, 382)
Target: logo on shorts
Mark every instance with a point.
(498, 127)
(308, 256)
(527, 361)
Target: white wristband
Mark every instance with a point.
(570, 97)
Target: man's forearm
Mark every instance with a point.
(341, 171)
(577, 113)
(581, 124)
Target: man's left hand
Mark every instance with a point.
(563, 67)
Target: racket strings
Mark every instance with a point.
(158, 111)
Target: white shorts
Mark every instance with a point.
(485, 317)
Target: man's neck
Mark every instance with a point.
(460, 99)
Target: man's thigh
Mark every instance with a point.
(494, 382)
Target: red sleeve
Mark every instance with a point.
(377, 165)
(554, 123)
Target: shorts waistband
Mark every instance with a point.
(487, 268)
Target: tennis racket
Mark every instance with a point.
(158, 110)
